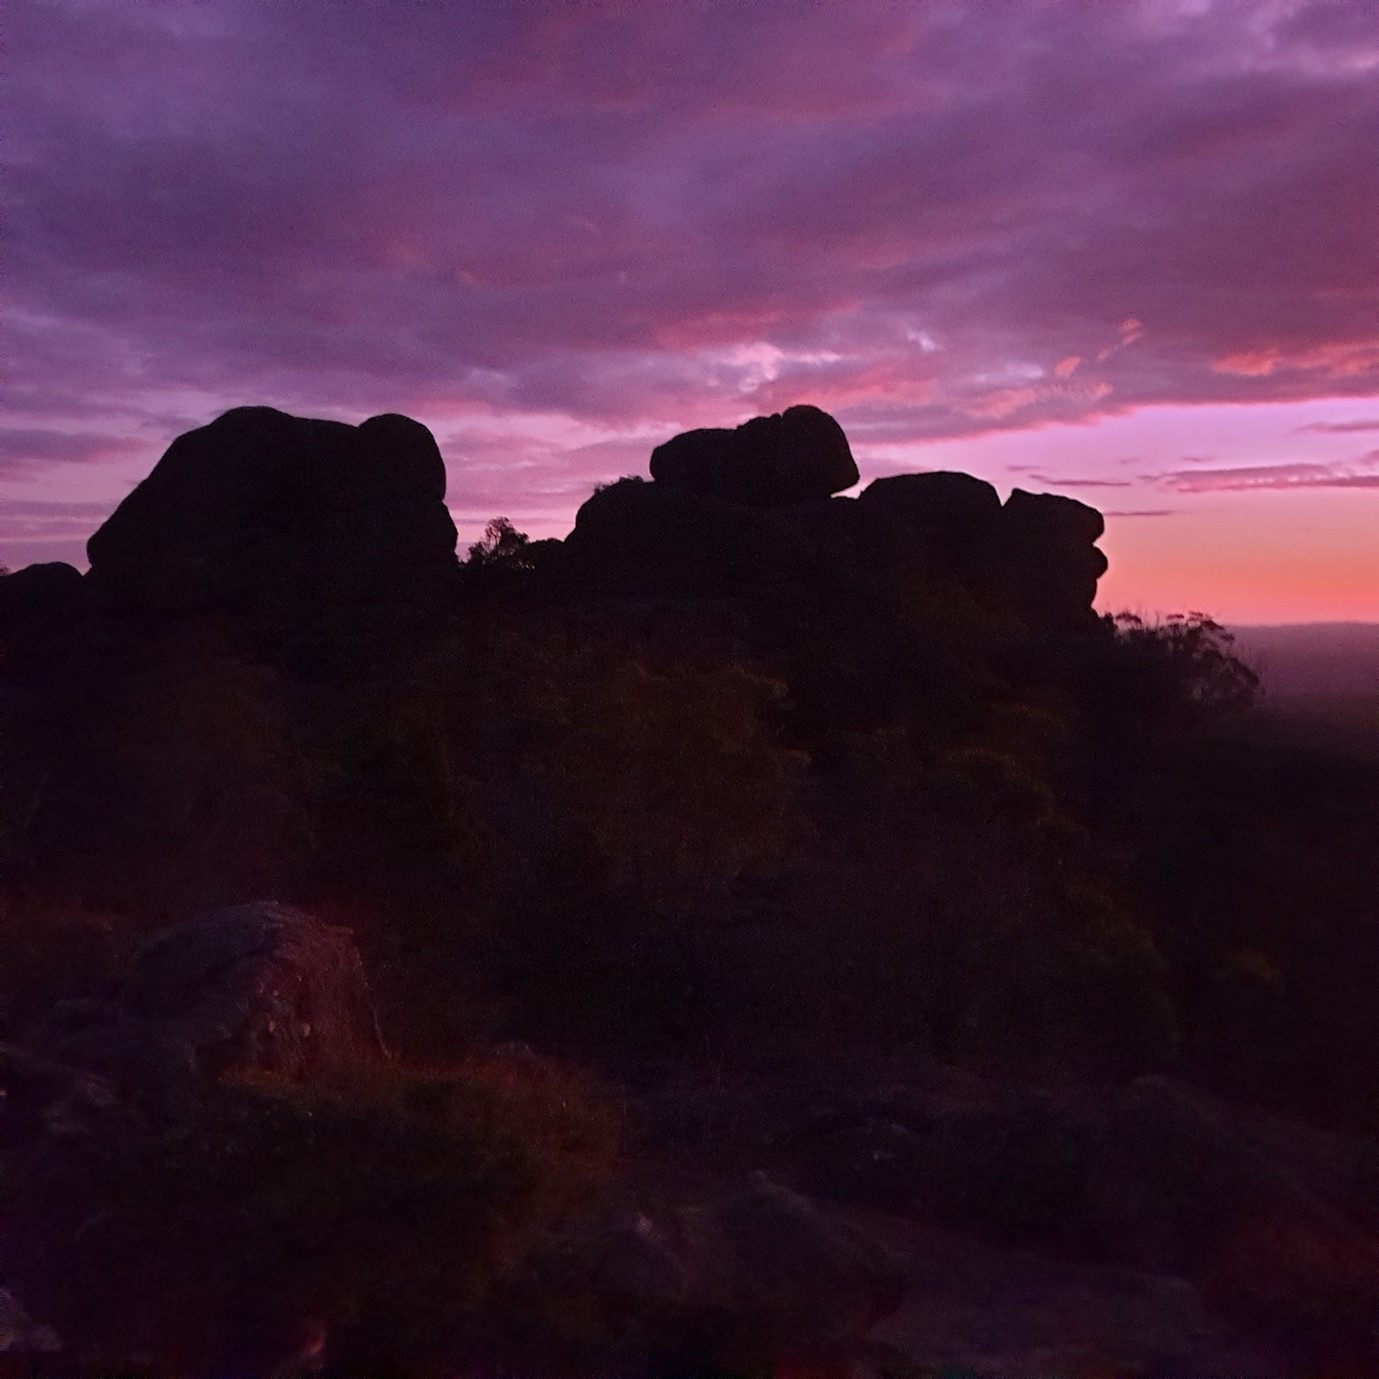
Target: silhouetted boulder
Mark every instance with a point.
(788, 457)
(38, 594)
(1049, 519)
(1035, 556)
(39, 604)
(839, 547)
(1051, 564)
(953, 516)
(277, 517)
(638, 538)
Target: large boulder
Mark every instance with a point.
(789, 457)
(952, 516)
(649, 539)
(1050, 562)
(741, 1282)
(37, 594)
(277, 516)
(261, 987)
(1178, 1185)
(39, 605)
(1034, 556)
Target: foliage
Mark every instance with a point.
(381, 1211)
(998, 923)
(501, 543)
(672, 772)
(1176, 675)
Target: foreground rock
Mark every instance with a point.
(740, 1282)
(262, 987)
(20, 1336)
(1152, 1178)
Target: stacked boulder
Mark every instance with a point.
(768, 462)
(1035, 555)
(730, 512)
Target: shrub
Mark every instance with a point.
(377, 1213)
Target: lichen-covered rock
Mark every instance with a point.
(788, 457)
(262, 987)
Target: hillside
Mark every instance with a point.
(764, 932)
(1338, 658)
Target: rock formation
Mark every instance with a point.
(748, 513)
(1050, 560)
(640, 538)
(261, 987)
(277, 517)
(740, 1282)
(788, 457)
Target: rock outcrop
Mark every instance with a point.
(1051, 561)
(1034, 556)
(1151, 1178)
(741, 1282)
(789, 457)
(37, 594)
(953, 517)
(639, 538)
(749, 514)
(276, 517)
(261, 987)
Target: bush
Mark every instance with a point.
(378, 1214)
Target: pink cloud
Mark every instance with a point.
(1359, 473)
(1341, 427)
(1054, 481)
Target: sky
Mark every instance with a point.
(1125, 250)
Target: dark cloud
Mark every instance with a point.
(26, 448)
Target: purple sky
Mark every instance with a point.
(1127, 251)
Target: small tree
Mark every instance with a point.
(502, 545)
(1189, 657)
(1158, 681)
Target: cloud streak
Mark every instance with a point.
(1362, 472)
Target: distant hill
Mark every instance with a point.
(1327, 658)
